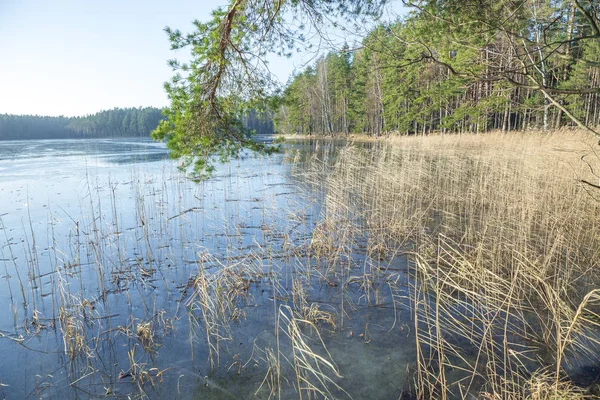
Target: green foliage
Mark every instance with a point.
(227, 74)
(459, 66)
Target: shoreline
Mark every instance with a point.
(356, 137)
(394, 136)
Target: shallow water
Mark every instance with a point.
(98, 237)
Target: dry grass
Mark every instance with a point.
(315, 371)
(217, 298)
(505, 253)
(309, 312)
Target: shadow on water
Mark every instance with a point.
(134, 158)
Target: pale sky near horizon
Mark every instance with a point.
(77, 57)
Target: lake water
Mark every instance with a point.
(121, 278)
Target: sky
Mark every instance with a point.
(77, 57)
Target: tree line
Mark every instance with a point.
(468, 66)
(118, 122)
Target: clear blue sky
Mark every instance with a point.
(75, 57)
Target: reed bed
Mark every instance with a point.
(502, 235)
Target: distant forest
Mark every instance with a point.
(260, 122)
(118, 122)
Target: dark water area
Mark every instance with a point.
(104, 245)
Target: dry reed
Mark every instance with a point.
(503, 235)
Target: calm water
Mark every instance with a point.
(100, 237)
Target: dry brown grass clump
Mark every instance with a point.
(218, 298)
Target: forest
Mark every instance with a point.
(443, 69)
(118, 122)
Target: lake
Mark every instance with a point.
(122, 278)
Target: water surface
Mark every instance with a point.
(100, 237)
